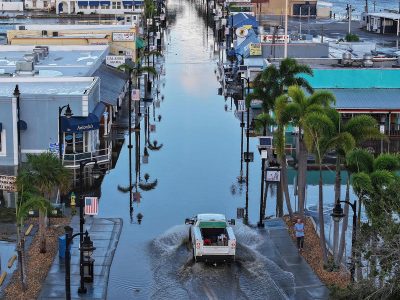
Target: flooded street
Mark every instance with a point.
(195, 170)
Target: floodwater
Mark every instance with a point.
(195, 170)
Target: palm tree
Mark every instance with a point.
(319, 129)
(360, 128)
(299, 107)
(282, 119)
(262, 121)
(41, 175)
(25, 203)
(273, 82)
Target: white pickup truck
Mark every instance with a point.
(212, 238)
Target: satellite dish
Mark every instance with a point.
(242, 32)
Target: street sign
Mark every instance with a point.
(241, 106)
(265, 142)
(115, 60)
(273, 175)
(7, 183)
(123, 36)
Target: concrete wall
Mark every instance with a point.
(9, 135)
(277, 7)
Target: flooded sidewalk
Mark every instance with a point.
(104, 232)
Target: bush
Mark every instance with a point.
(350, 37)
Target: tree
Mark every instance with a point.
(273, 82)
(262, 121)
(360, 129)
(25, 203)
(282, 120)
(319, 138)
(40, 176)
(299, 108)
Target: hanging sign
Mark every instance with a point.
(115, 60)
(241, 106)
(136, 95)
(8, 183)
(273, 175)
(269, 38)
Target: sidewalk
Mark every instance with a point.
(105, 235)
(281, 249)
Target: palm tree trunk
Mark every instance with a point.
(279, 201)
(21, 258)
(337, 199)
(265, 198)
(321, 216)
(285, 185)
(301, 175)
(42, 231)
(345, 223)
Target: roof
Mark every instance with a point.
(367, 99)
(44, 86)
(242, 19)
(386, 15)
(61, 60)
(112, 82)
(112, 27)
(211, 217)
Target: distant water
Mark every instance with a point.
(339, 6)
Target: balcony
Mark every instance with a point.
(72, 161)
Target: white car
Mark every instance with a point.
(212, 238)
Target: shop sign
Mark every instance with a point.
(123, 36)
(8, 183)
(269, 38)
(255, 49)
(115, 60)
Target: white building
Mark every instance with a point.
(99, 7)
(40, 4)
(9, 5)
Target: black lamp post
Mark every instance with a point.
(86, 250)
(263, 159)
(96, 172)
(247, 159)
(337, 214)
(17, 96)
(68, 114)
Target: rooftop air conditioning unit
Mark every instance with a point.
(22, 66)
(34, 57)
(346, 59)
(367, 61)
(40, 52)
(45, 49)
(21, 27)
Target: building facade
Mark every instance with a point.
(9, 5)
(45, 5)
(99, 7)
(295, 7)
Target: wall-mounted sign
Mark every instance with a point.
(115, 60)
(7, 183)
(255, 49)
(269, 38)
(123, 36)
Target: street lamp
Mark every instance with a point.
(337, 214)
(264, 156)
(17, 96)
(247, 159)
(68, 114)
(86, 250)
(96, 173)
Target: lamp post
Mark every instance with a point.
(17, 95)
(337, 215)
(264, 155)
(68, 114)
(86, 250)
(247, 151)
(96, 172)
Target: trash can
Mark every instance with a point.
(62, 244)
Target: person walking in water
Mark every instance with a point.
(299, 229)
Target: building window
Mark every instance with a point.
(105, 6)
(114, 5)
(77, 142)
(94, 7)
(82, 7)
(44, 3)
(3, 142)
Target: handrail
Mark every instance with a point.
(101, 155)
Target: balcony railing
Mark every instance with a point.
(102, 156)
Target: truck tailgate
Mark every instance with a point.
(215, 250)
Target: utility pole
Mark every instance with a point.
(350, 10)
(286, 29)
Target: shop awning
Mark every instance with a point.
(138, 2)
(78, 124)
(105, 3)
(127, 3)
(22, 125)
(94, 3)
(83, 3)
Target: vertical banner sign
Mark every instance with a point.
(91, 206)
(255, 49)
(136, 95)
(115, 60)
(241, 106)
